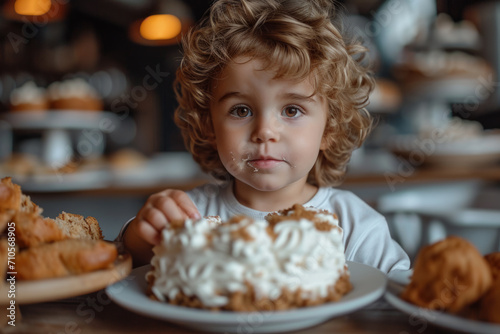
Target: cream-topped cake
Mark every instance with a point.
(28, 97)
(74, 94)
(293, 258)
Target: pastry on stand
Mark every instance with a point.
(70, 107)
(29, 97)
(431, 82)
(74, 94)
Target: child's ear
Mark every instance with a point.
(210, 135)
(214, 144)
(212, 141)
(325, 142)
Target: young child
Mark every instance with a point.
(271, 103)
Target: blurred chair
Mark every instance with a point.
(425, 214)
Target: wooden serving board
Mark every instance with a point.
(29, 292)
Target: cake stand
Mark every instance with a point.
(56, 127)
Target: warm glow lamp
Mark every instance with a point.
(39, 11)
(32, 7)
(160, 27)
(168, 22)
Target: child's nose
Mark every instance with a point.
(266, 128)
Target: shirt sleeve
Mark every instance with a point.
(373, 245)
(367, 238)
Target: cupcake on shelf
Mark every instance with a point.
(127, 159)
(19, 164)
(29, 97)
(74, 94)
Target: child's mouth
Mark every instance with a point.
(265, 163)
(261, 163)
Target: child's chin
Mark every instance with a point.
(265, 183)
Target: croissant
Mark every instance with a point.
(64, 258)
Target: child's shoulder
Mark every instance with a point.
(337, 194)
(208, 190)
(336, 199)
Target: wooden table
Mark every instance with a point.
(96, 314)
(489, 173)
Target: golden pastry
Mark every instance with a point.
(448, 276)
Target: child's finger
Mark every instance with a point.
(175, 205)
(186, 204)
(169, 208)
(155, 217)
(148, 233)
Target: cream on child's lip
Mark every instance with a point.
(257, 162)
(264, 163)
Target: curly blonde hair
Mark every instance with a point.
(294, 38)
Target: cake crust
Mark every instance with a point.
(246, 302)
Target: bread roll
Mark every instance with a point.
(448, 276)
(77, 226)
(33, 230)
(64, 258)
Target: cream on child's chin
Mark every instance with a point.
(288, 162)
(255, 169)
(243, 163)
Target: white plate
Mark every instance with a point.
(368, 286)
(421, 317)
(62, 119)
(485, 144)
(80, 180)
(479, 150)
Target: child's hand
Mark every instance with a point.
(159, 209)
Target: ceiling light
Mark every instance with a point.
(38, 11)
(32, 7)
(168, 21)
(160, 27)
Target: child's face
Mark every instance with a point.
(268, 132)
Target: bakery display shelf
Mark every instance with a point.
(56, 127)
(62, 182)
(452, 89)
(162, 170)
(61, 119)
(38, 291)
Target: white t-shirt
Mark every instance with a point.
(366, 234)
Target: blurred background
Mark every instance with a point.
(86, 109)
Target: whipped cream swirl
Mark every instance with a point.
(211, 260)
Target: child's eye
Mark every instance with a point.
(291, 112)
(241, 111)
